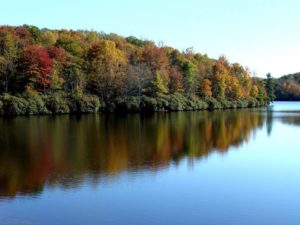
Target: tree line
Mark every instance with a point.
(46, 71)
(288, 87)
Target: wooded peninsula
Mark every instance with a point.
(46, 71)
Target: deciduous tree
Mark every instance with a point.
(36, 66)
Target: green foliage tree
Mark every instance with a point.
(189, 78)
(158, 86)
(270, 88)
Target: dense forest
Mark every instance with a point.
(288, 87)
(46, 71)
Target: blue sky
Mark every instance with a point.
(261, 34)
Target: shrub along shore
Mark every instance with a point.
(60, 103)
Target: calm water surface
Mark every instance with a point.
(228, 167)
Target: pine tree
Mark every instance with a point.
(270, 88)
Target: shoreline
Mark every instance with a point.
(79, 104)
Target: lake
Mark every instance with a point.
(224, 167)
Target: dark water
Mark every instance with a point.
(228, 167)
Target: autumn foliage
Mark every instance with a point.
(35, 66)
(118, 70)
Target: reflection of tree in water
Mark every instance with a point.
(291, 119)
(269, 120)
(63, 150)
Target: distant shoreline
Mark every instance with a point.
(284, 100)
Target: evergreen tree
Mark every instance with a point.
(270, 88)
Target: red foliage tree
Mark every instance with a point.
(36, 67)
(156, 58)
(56, 53)
(22, 33)
(176, 80)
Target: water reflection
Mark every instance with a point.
(286, 112)
(50, 151)
(291, 120)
